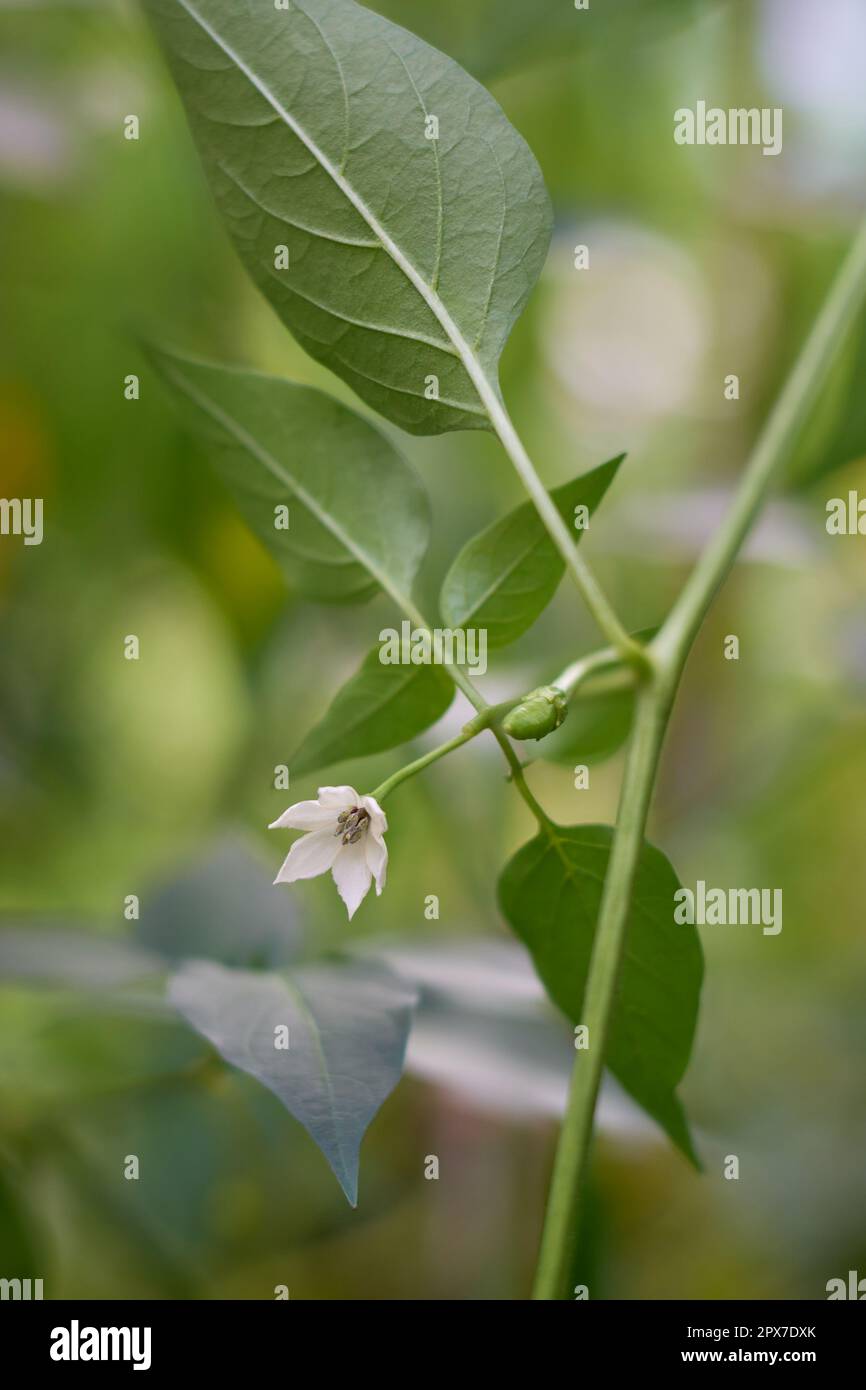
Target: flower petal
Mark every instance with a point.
(310, 855)
(304, 815)
(352, 875)
(338, 798)
(377, 858)
(378, 819)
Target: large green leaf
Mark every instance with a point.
(507, 574)
(348, 1024)
(358, 517)
(410, 258)
(550, 892)
(380, 707)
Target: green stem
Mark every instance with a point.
(468, 732)
(669, 651)
(519, 781)
(587, 666)
(566, 1191)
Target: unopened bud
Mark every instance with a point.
(537, 715)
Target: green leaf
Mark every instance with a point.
(550, 892)
(358, 517)
(409, 258)
(597, 726)
(507, 574)
(348, 1024)
(380, 707)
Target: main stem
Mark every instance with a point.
(566, 1190)
(669, 652)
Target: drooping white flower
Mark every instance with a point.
(345, 834)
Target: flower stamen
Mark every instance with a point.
(351, 824)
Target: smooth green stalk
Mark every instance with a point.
(589, 666)
(566, 1190)
(519, 781)
(669, 651)
(593, 595)
(419, 764)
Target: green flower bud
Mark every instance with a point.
(537, 715)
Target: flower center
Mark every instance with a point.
(352, 824)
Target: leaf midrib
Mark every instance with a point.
(294, 990)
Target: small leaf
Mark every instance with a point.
(380, 707)
(348, 1024)
(507, 574)
(358, 518)
(550, 892)
(596, 728)
(375, 192)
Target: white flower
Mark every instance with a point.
(346, 835)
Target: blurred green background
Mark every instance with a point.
(156, 777)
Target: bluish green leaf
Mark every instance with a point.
(358, 518)
(507, 574)
(550, 892)
(381, 706)
(414, 217)
(348, 1024)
